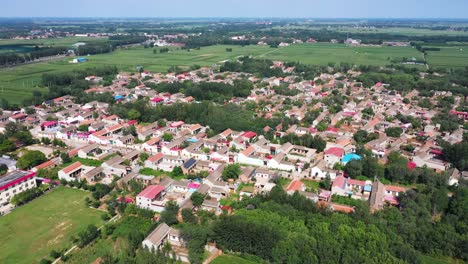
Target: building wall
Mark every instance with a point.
(7, 194)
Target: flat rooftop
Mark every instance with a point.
(13, 177)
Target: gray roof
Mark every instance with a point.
(158, 234)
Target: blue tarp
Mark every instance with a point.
(349, 157)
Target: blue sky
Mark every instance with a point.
(236, 8)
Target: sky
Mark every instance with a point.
(237, 8)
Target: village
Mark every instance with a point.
(173, 159)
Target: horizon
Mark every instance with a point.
(299, 9)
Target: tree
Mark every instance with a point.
(31, 159)
(169, 216)
(3, 168)
(393, 131)
(65, 157)
(86, 236)
(177, 171)
(133, 114)
(197, 199)
(232, 171)
(167, 137)
(144, 156)
(188, 216)
(326, 183)
(354, 168)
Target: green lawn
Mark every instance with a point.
(323, 53)
(455, 56)
(230, 259)
(68, 41)
(30, 232)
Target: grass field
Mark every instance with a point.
(29, 233)
(433, 260)
(230, 259)
(456, 56)
(323, 53)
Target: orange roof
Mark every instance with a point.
(72, 167)
(73, 152)
(114, 127)
(394, 188)
(248, 151)
(111, 117)
(152, 141)
(341, 208)
(156, 157)
(226, 132)
(295, 185)
(195, 127)
(45, 164)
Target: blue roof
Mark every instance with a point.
(117, 97)
(349, 157)
(192, 140)
(368, 188)
(189, 163)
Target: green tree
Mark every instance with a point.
(30, 159)
(197, 199)
(232, 171)
(169, 215)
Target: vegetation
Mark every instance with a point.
(31, 231)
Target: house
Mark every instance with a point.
(164, 234)
(146, 199)
(382, 195)
(13, 183)
(73, 172)
(333, 155)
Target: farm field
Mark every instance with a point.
(17, 83)
(30, 232)
(323, 53)
(455, 56)
(68, 41)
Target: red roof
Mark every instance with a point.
(132, 122)
(332, 129)
(151, 191)
(49, 123)
(436, 151)
(156, 157)
(45, 164)
(72, 167)
(249, 134)
(339, 152)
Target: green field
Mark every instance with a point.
(455, 56)
(323, 53)
(30, 232)
(230, 259)
(443, 260)
(68, 41)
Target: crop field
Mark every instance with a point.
(68, 41)
(17, 83)
(30, 232)
(455, 56)
(323, 53)
(230, 259)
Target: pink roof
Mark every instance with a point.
(249, 134)
(177, 124)
(436, 151)
(332, 129)
(349, 113)
(151, 191)
(193, 185)
(49, 123)
(339, 152)
(157, 100)
(411, 165)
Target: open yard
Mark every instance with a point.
(29, 233)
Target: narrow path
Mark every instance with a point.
(113, 219)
